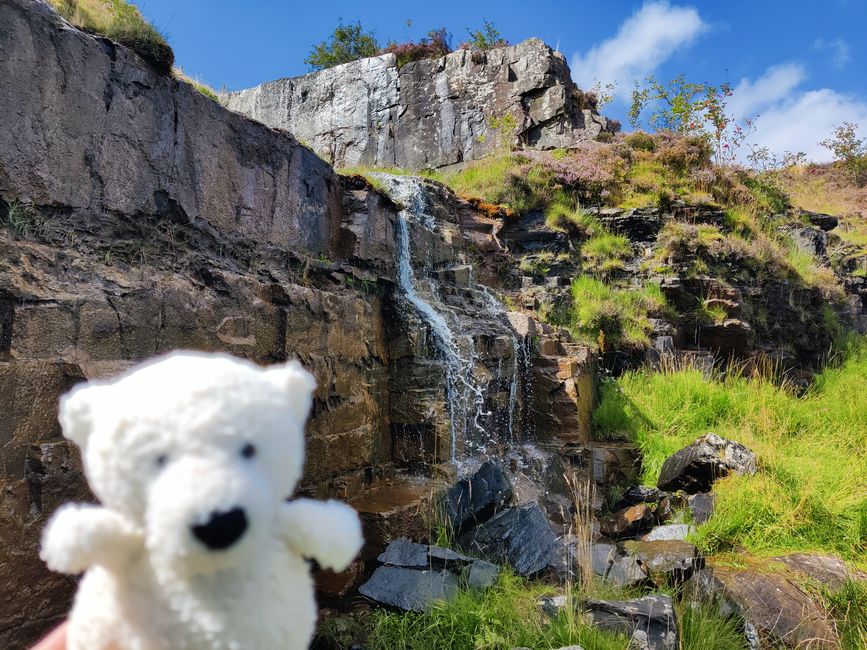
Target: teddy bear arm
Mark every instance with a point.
(81, 536)
(327, 531)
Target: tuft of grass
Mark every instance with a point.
(704, 628)
(619, 316)
(605, 253)
(848, 606)
(22, 219)
(122, 22)
(505, 616)
(200, 86)
(811, 491)
(563, 216)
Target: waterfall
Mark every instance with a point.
(454, 331)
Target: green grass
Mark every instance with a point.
(811, 491)
(848, 607)
(605, 253)
(122, 22)
(702, 628)
(617, 316)
(503, 617)
(505, 178)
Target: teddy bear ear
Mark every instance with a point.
(77, 412)
(298, 384)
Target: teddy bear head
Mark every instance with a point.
(198, 450)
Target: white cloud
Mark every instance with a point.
(838, 48)
(643, 41)
(798, 123)
(751, 97)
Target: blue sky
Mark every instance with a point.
(801, 67)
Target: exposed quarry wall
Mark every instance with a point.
(428, 113)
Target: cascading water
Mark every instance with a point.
(469, 419)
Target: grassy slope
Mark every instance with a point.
(811, 491)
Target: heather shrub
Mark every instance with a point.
(436, 44)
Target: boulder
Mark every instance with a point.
(626, 571)
(409, 589)
(602, 557)
(628, 522)
(520, 537)
(650, 621)
(482, 575)
(827, 569)
(695, 467)
(665, 561)
(669, 532)
(640, 494)
(701, 506)
(774, 609)
(826, 222)
(476, 499)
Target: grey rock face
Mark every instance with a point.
(666, 560)
(89, 125)
(701, 506)
(427, 113)
(475, 499)
(402, 552)
(695, 467)
(408, 589)
(651, 621)
(518, 536)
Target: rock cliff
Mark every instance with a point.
(428, 113)
(138, 216)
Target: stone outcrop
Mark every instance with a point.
(428, 113)
(695, 467)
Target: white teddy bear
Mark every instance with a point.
(193, 457)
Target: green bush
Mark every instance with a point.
(347, 43)
(605, 253)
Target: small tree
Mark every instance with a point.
(849, 150)
(348, 43)
(486, 38)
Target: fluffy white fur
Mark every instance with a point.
(166, 446)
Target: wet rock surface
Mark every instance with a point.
(476, 499)
(520, 537)
(695, 467)
(649, 621)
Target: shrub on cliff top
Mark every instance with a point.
(122, 22)
(436, 44)
(347, 43)
(486, 38)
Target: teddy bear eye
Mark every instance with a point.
(248, 450)
(161, 460)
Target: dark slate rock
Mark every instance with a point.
(695, 467)
(701, 506)
(628, 522)
(482, 575)
(650, 621)
(824, 221)
(669, 532)
(405, 553)
(732, 337)
(520, 537)
(409, 589)
(626, 571)
(476, 499)
(640, 494)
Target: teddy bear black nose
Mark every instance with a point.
(222, 530)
